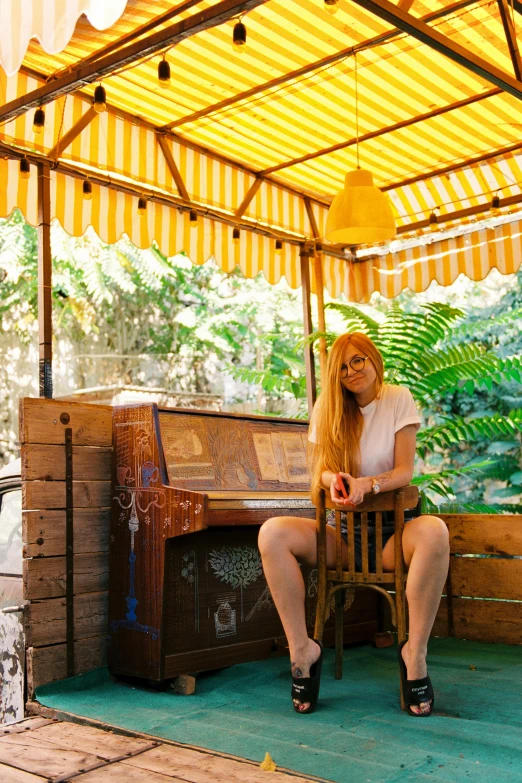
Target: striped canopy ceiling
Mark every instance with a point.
(280, 117)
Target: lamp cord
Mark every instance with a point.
(356, 110)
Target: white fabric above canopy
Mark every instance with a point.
(51, 22)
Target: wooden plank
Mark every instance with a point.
(43, 532)
(44, 577)
(24, 725)
(122, 773)
(104, 744)
(499, 622)
(45, 621)
(47, 463)
(51, 494)
(484, 534)
(191, 765)
(11, 775)
(48, 664)
(24, 752)
(486, 578)
(40, 422)
(72, 133)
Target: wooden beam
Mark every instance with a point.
(171, 164)
(321, 321)
(70, 136)
(311, 390)
(113, 183)
(314, 66)
(138, 50)
(319, 287)
(45, 305)
(458, 214)
(383, 131)
(405, 5)
(390, 13)
(138, 32)
(240, 211)
(511, 37)
(452, 167)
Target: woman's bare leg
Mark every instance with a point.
(284, 543)
(425, 544)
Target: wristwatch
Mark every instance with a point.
(376, 487)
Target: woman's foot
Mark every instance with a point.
(416, 668)
(300, 662)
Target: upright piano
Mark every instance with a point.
(190, 490)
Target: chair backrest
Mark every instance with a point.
(398, 501)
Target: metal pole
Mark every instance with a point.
(45, 323)
(311, 391)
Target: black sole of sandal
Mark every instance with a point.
(306, 689)
(415, 691)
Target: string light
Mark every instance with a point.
(100, 98)
(25, 169)
(239, 37)
(193, 218)
(38, 121)
(235, 236)
(433, 222)
(331, 6)
(495, 205)
(278, 246)
(142, 206)
(164, 73)
(87, 189)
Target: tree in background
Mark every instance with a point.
(126, 316)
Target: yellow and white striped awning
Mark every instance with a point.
(434, 135)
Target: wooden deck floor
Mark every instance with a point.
(42, 749)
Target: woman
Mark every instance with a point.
(364, 431)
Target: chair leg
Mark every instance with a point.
(400, 607)
(339, 619)
(320, 610)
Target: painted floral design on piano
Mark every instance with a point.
(238, 566)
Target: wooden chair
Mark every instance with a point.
(332, 583)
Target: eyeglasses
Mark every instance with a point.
(357, 364)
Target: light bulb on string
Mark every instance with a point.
(495, 205)
(38, 121)
(100, 98)
(193, 218)
(87, 189)
(142, 206)
(433, 222)
(239, 37)
(164, 74)
(278, 246)
(235, 236)
(331, 6)
(25, 169)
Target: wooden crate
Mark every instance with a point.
(42, 437)
(485, 578)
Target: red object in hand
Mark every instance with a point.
(340, 484)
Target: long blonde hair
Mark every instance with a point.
(337, 419)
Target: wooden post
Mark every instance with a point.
(45, 324)
(319, 291)
(311, 391)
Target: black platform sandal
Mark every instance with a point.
(306, 689)
(416, 692)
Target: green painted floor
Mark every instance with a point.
(358, 733)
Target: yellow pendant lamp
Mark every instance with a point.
(360, 214)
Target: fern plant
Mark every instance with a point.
(423, 352)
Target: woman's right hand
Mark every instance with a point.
(336, 490)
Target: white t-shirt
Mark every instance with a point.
(383, 417)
